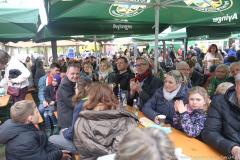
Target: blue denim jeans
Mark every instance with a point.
(48, 115)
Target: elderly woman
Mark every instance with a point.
(234, 70)
(101, 126)
(212, 57)
(143, 86)
(162, 102)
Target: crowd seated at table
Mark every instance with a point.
(94, 121)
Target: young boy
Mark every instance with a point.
(23, 140)
(50, 97)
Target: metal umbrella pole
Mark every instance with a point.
(157, 8)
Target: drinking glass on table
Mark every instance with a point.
(160, 119)
(2, 91)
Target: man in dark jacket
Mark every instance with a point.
(143, 86)
(222, 128)
(64, 96)
(121, 77)
(23, 140)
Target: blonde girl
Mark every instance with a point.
(190, 118)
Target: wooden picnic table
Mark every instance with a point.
(191, 147)
(4, 100)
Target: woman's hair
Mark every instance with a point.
(105, 60)
(145, 144)
(4, 57)
(82, 87)
(203, 93)
(191, 63)
(176, 75)
(211, 46)
(232, 65)
(223, 87)
(101, 93)
(225, 67)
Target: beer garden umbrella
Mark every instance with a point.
(72, 17)
(17, 23)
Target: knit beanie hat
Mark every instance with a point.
(57, 78)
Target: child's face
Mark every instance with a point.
(220, 73)
(54, 83)
(196, 101)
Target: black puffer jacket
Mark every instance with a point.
(122, 79)
(222, 128)
(25, 142)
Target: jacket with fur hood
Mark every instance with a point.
(97, 133)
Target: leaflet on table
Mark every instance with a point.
(150, 124)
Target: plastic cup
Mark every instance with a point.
(162, 119)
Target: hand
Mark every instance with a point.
(45, 103)
(138, 87)
(132, 86)
(101, 78)
(179, 106)
(236, 152)
(52, 103)
(156, 120)
(66, 155)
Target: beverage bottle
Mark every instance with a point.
(135, 107)
(124, 99)
(119, 95)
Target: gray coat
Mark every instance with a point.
(97, 133)
(65, 106)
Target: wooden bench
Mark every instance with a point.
(29, 97)
(56, 114)
(32, 89)
(4, 101)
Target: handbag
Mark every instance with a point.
(13, 91)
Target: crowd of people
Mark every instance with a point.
(199, 96)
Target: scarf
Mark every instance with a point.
(49, 79)
(214, 83)
(103, 74)
(141, 77)
(170, 95)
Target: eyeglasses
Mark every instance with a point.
(184, 69)
(120, 62)
(140, 65)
